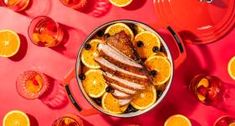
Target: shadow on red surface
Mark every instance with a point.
(33, 120)
(55, 97)
(136, 4)
(23, 49)
(71, 42)
(96, 8)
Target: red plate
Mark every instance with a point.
(201, 22)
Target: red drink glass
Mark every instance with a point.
(225, 121)
(16, 5)
(210, 90)
(44, 31)
(32, 84)
(68, 120)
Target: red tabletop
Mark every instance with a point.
(56, 62)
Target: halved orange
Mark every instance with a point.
(231, 68)
(111, 104)
(16, 118)
(118, 27)
(9, 43)
(145, 98)
(162, 66)
(94, 83)
(149, 41)
(120, 3)
(88, 54)
(177, 120)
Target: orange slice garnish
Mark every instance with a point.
(162, 66)
(94, 83)
(111, 104)
(145, 99)
(149, 41)
(118, 27)
(90, 53)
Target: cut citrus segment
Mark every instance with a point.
(177, 120)
(94, 83)
(32, 84)
(162, 67)
(118, 27)
(147, 44)
(89, 52)
(120, 3)
(203, 82)
(9, 43)
(145, 98)
(231, 68)
(111, 104)
(16, 118)
(201, 97)
(232, 124)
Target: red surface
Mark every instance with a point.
(57, 62)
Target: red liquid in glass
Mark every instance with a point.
(208, 89)
(45, 32)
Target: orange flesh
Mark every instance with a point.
(35, 84)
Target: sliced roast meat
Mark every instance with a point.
(123, 102)
(119, 59)
(122, 82)
(122, 89)
(120, 95)
(115, 70)
(122, 42)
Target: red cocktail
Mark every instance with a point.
(16, 5)
(44, 31)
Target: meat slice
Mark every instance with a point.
(122, 89)
(120, 95)
(123, 102)
(115, 70)
(119, 59)
(122, 82)
(122, 42)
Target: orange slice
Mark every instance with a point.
(94, 83)
(16, 118)
(149, 41)
(120, 3)
(88, 54)
(162, 66)
(9, 43)
(232, 124)
(203, 82)
(177, 120)
(118, 27)
(145, 99)
(111, 104)
(231, 68)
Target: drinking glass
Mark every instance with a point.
(225, 121)
(16, 5)
(68, 120)
(210, 90)
(44, 31)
